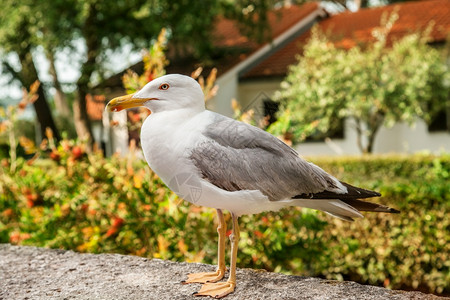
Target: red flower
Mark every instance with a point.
(32, 198)
(111, 231)
(54, 155)
(77, 152)
(117, 222)
(258, 233)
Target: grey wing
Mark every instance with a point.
(237, 156)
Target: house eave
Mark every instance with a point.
(280, 41)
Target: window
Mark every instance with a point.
(270, 110)
(441, 122)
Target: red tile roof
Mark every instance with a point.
(227, 34)
(350, 28)
(95, 106)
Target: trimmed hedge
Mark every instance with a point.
(410, 250)
(92, 204)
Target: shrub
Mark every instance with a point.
(89, 203)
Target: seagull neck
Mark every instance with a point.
(184, 104)
(178, 115)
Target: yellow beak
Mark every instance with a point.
(124, 102)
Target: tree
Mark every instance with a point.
(373, 84)
(17, 35)
(104, 26)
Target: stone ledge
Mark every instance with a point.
(38, 273)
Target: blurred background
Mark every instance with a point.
(360, 88)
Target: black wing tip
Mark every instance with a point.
(354, 193)
(358, 192)
(394, 211)
(385, 209)
(388, 210)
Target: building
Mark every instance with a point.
(252, 72)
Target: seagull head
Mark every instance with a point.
(169, 92)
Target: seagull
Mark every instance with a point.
(215, 161)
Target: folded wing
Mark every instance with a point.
(237, 156)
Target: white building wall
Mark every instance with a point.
(346, 146)
(405, 139)
(228, 90)
(252, 94)
(401, 138)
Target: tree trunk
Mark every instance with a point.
(359, 135)
(28, 76)
(374, 123)
(370, 142)
(62, 107)
(82, 121)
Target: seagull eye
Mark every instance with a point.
(164, 86)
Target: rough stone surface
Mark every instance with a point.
(37, 273)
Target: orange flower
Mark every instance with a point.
(111, 231)
(17, 237)
(14, 237)
(5, 163)
(8, 212)
(258, 233)
(117, 222)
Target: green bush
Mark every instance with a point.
(410, 250)
(89, 203)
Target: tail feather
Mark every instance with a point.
(342, 217)
(345, 206)
(334, 207)
(369, 206)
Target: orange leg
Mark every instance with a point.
(218, 275)
(221, 289)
